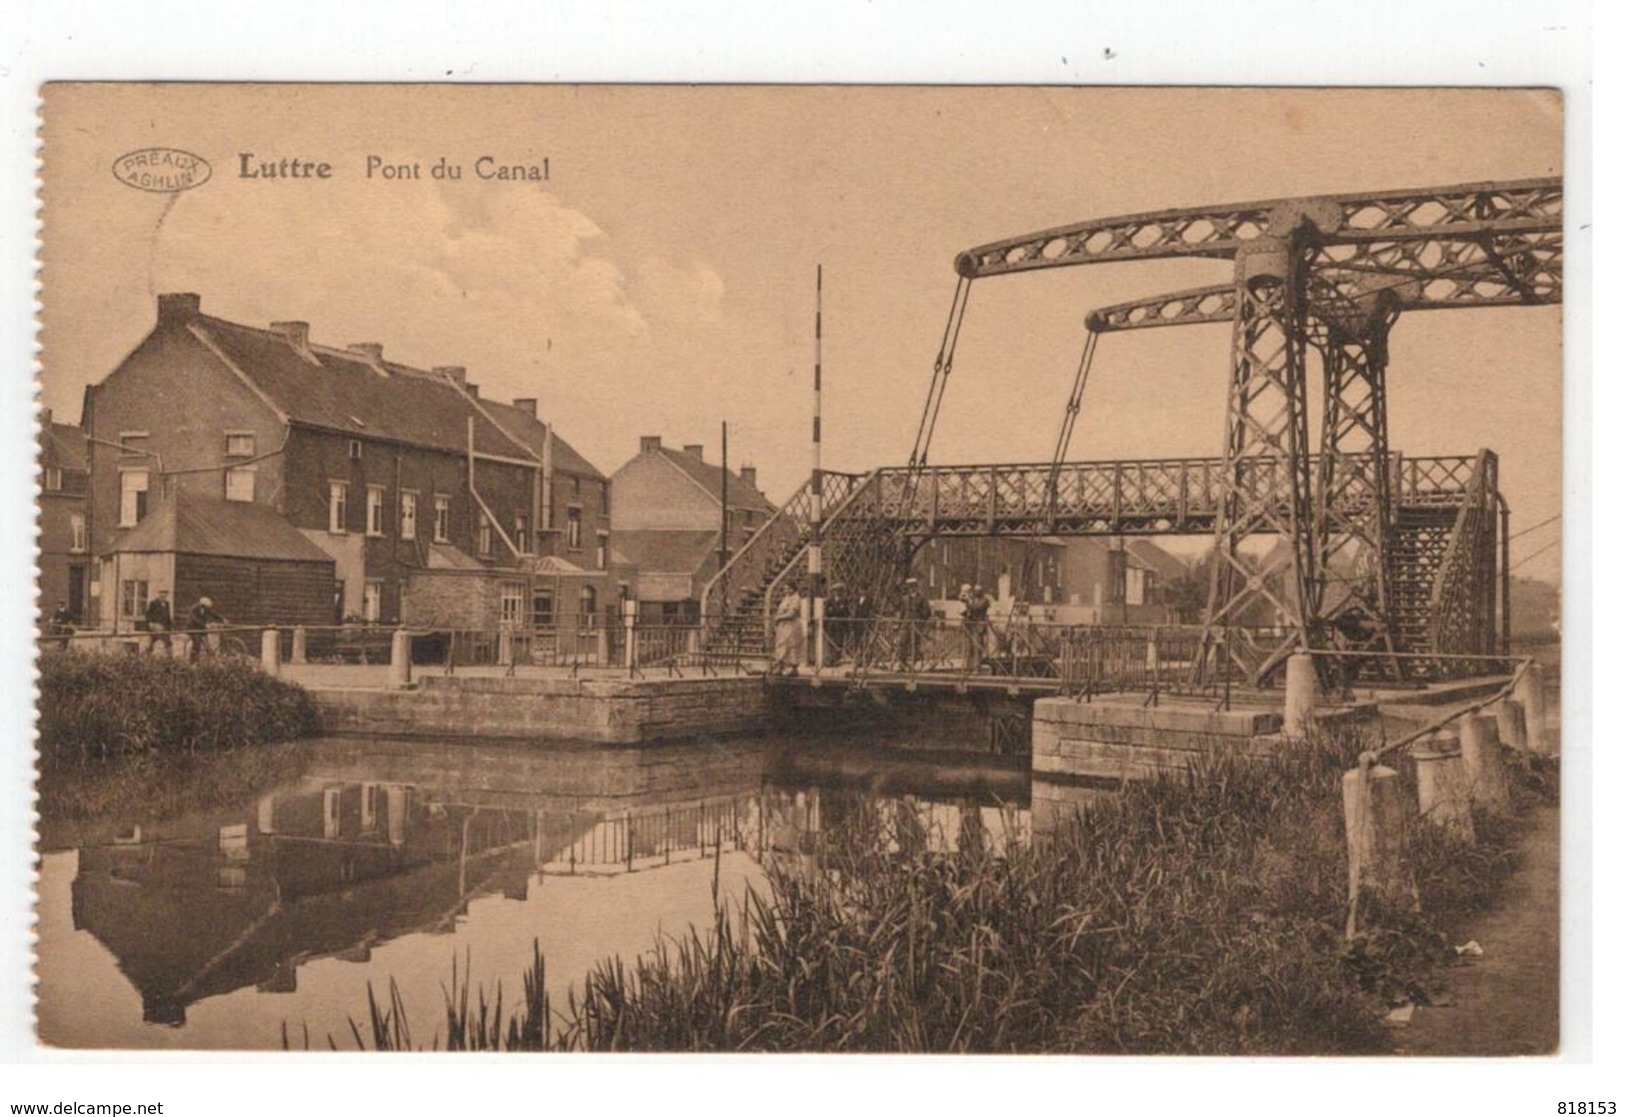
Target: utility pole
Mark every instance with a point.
(723, 557)
(815, 549)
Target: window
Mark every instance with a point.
(76, 526)
(338, 500)
(409, 515)
(485, 536)
(603, 550)
(372, 601)
(355, 449)
(239, 445)
(575, 487)
(53, 479)
(338, 601)
(589, 607)
(542, 613)
(375, 510)
(133, 599)
(521, 534)
(369, 807)
(603, 498)
(442, 519)
(240, 483)
(513, 602)
(1134, 586)
(132, 508)
(572, 529)
(133, 442)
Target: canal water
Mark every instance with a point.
(228, 905)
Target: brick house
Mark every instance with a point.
(668, 523)
(436, 507)
(64, 530)
(1120, 581)
(1028, 570)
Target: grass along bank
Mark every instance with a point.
(94, 707)
(1201, 914)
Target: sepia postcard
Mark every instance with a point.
(788, 569)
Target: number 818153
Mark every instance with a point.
(1586, 1109)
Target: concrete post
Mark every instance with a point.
(505, 648)
(1509, 722)
(1441, 786)
(818, 633)
(300, 645)
(1375, 818)
(271, 651)
(400, 659)
(631, 621)
(1531, 691)
(1300, 695)
(1482, 765)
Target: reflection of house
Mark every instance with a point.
(668, 523)
(433, 504)
(64, 547)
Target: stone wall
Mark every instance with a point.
(1103, 740)
(593, 710)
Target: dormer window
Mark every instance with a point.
(240, 444)
(355, 449)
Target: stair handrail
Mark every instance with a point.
(1478, 497)
(857, 486)
(747, 566)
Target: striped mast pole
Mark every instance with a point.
(815, 549)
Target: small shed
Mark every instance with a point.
(255, 566)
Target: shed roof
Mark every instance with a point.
(664, 552)
(190, 523)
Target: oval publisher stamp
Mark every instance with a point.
(162, 170)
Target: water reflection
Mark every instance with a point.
(382, 861)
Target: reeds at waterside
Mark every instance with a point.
(1198, 914)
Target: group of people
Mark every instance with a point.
(199, 619)
(846, 616)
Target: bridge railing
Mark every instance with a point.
(1156, 494)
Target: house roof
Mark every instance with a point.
(1153, 557)
(63, 447)
(709, 478)
(193, 524)
(533, 433)
(445, 556)
(664, 552)
(342, 391)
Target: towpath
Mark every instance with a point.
(1505, 1002)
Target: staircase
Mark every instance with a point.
(736, 605)
(1421, 537)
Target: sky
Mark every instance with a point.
(661, 280)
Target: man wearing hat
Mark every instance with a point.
(977, 607)
(159, 621)
(199, 620)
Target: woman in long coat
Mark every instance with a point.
(789, 639)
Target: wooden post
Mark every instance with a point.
(1481, 763)
(1441, 786)
(271, 652)
(400, 659)
(1375, 818)
(1531, 691)
(300, 646)
(1509, 721)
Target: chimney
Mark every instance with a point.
(373, 353)
(457, 374)
(179, 307)
(747, 474)
(696, 450)
(648, 444)
(472, 389)
(528, 406)
(297, 335)
(45, 420)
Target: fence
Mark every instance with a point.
(1456, 774)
